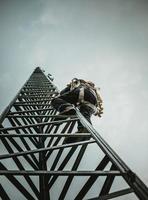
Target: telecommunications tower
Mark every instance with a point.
(35, 164)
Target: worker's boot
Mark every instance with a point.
(82, 130)
(69, 140)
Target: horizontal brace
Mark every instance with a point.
(37, 81)
(37, 92)
(32, 110)
(38, 77)
(35, 95)
(39, 100)
(32, 87)
(60, 173)
(49, 116)
(38, 124)
(114, 194)
(44, 135)
(4, 156)
(35, 87)
(38, 84)
(31, 104)
(48, 89)
(32, 91)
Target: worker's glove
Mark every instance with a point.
(99, 111)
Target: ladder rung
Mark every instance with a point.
(60, 173)
(27, 104)
(34, 96)
(32, 110)
(49, 116)
(4, 156)
(37, 90)
(45, 135)
(114, 194)
(37, 93)
(35, 101)
(38, 124)
(31, 87)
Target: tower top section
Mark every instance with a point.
(38, 70)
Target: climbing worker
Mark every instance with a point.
(82, 94)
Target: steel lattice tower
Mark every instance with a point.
(35, 164)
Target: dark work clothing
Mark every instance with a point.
(87, 113)
(88, 96)
(68, 97)
(65, 90)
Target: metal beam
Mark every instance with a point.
(75, 167)
(38, 124)
(114, 194)
(60, 173)
(31, 104)
(89, 183)
(132, 179)
(103, 144)
(4, 156)
(33, 116)
(44, 135)
(30, 111)
(108, 183)
(19, 186)
(48, 116)
(3, 193)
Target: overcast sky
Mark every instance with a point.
(105, 41)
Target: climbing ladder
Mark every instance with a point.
(36, 164)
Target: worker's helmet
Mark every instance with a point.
(75, 80)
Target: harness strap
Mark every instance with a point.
(81, 95)
(87, 103)
(82, 85)
(89, 88)
(92, 106)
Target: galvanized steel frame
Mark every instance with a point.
(30, 116)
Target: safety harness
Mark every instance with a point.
(82, 85)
